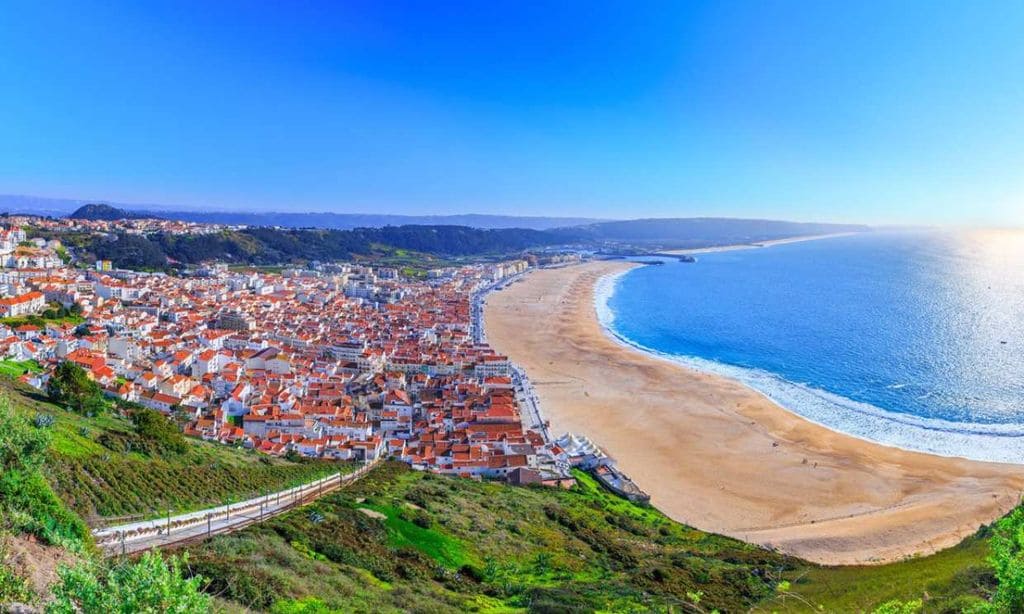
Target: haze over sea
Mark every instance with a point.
(909, 339)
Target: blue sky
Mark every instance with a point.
(881, 112)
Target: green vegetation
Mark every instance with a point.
(63, 254)
(274, 246)
(55, 470)
(270, 269)
(27, 502)
(149, 585)
(947, 581)
(69, 385)
(109, 465)
(1007, 560)
(153, 427)
(982, 575)
(54, 314)
(12, 587)
(17, 368)
(100, 211)
(116, 485)
(400, 537)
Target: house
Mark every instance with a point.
(159, 401)
(22, 305)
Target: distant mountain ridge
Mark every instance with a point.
(60, 207)
(653, 232)
(349, 221)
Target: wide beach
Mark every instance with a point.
(721, 457)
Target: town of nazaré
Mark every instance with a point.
(332, 361)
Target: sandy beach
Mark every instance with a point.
(719, 456)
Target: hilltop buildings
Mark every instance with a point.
(340, 362)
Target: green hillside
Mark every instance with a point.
(400, 537)
(99, 466)
(401, 540)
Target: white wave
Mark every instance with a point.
(603, 291)
(1002, 443)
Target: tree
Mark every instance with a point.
(154, 426)
(1007, 559)
(150, 585)
(70, 386)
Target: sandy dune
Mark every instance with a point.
(717, 455)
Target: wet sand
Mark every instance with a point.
(717, 455)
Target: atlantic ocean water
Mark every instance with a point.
(910, 339)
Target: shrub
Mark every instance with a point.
(31, 506)
(26, 500)
(12, 587)
(1007, 560)
(149, 585)
(899, 607)
(21, 447)
(70, 386)
(243, 583)
(152, 425)
(309, 605)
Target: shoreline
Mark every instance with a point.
(755, 245)
(999, 442)
(722, 457)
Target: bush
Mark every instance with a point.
(27, 503)
(309, 605)
(12, 587)
(560, 600)
(30, 505)
(21, 446)
(247, 585)
(1007, 560)
(155, 427)
(70, 386)
(899, 607)
(149, 585)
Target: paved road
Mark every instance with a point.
(197, 526)
(526, 395)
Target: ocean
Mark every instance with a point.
(909, 339)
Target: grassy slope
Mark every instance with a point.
(17, 368)
(95, 481)
(450, 544)
(945, 581)
(445, 543)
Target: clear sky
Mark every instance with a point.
(908, 111)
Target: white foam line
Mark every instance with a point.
(1001, 443)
